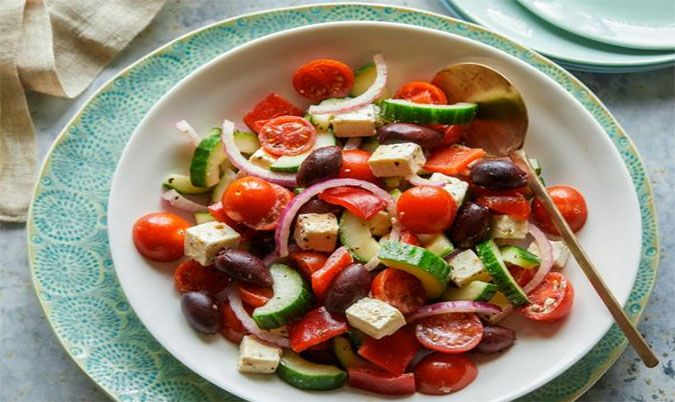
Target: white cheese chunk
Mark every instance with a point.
(402, 159)
(357, 123)
(261, 158)
(375, 317)
(379, 224)
(506, 227)
(456, 187)
(257, 357)
(202, 242)
(467, 267)
(560, 253)
(316, 232)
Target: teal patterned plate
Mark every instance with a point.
(67, 238)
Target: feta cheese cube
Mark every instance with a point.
(358, 123)
(202, 242)
(379, 224)
(456, 187)
(257, 357)
(560, 253)
(316, 232)
(467, 267)
(507, 227)
(402, 159)
(375, 317)
(261, 158)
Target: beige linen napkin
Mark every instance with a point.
(56, 47)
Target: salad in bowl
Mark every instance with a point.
(359, 242)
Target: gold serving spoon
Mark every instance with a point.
(500, 128)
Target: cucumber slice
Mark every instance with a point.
(536, 166)
(303, 374)
(437, 244)
(203, 217)
(401, 110)
(225, 180)
(183, 185)
(363, 79)
(355, 235)
(292, 163)
(498, 300)
(519, 257)
(429, 268)
(474, 291)
(492, 259)
(205, 165)
(342, 348)
(246, 142)
(291, 299)
(395, 193)
(322, 121)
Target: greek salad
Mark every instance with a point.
(358, 241)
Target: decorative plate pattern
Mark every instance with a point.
(67, 239)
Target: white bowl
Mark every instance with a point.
(572, 147)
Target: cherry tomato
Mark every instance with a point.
(230, 326)
(270, 107)
(400, 289)
(451, 133)
(287, 135)
(269, 222)
(521, 275)
(355, 165)
(450, 333)
(571, 204)
(440, 374)
(190, 276)
(323, 79)
(426, 209)
(514, 205)
(422, 92)
(160, 236)
(254, 296)
(409, 237)
(551, 300)
(249, 199)
(309, 261)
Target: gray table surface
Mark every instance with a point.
(34, 367)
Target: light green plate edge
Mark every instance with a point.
(68, 248)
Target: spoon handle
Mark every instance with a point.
(636, 340)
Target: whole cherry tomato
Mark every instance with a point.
(249, 199)
(160, 236)
(440, 373)
(571, 204)
(426, 209)
(355, 165)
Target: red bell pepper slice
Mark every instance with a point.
(315, 327)
(392, 353)
(309, 261)
(452, 160)
(322, 278)
(514, 205)
(381, 382)
(218, 212)
(358, 201)
(230, 326)
(272, 106)
(409, 237)
(254, 296)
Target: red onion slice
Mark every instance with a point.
(454, 307)
(248, 322)
(270, 259)
(283, 229)
(545, 257)
(365, 98)
(353, 143)
(177, 200)
(227, 137)
(189, 132)
(416, 180)
(372, 263)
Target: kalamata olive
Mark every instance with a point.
(317, 206)
(352, 284)
(262, 244)
(498, 174)
(244, 266)
(425, 137)
(495, 338)
(471, 225)
(201, 312)
(322, 164)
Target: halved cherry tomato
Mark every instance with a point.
(230, 326)
(160, 236)
(309, 261)
(287, 135)
(323, 79)
(218, 212)
(479, 191)
(521, 275)
(392, 353)
(254, 296)
(322, 278)
(358, 201)
(551, 300)
(314, 328)
(422, 92)
(440, 373)
(249, 199)
(514, 205)
(571, 204)
(452, 160)
(272, 106)
(190, 276)
(269, 221)
(355, 165)
(409, 237)
(380, 382)
(400, 289)
(426, 209)
(450, 333)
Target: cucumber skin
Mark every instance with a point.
(247, 142)
(412, 113)
(201, 158)
(345, 354)
(301, 304)
(183, 184)
(309, 382)
(418, 257)
(489, 254)
(519, 257)
(486, 294)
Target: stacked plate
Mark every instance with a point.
(602, 35)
